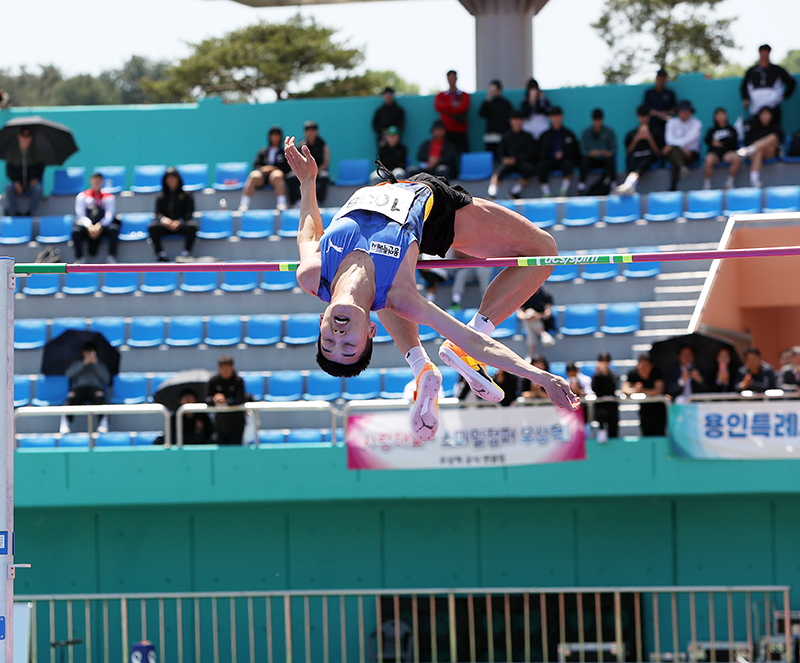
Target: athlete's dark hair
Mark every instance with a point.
(344, 370)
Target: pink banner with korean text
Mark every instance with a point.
(467, 437)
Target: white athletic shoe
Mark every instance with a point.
(425, 411)
(102, 427)
(473, 371)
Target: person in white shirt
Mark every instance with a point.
(94, 219)
(579, 383)
(682, 135)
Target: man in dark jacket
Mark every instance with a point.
(516, 154)
(599, 150)
(174, 215)
(227, 388)
(558, 150)
(392, 154)
(322, 155)
(721, 140)
(437, 156)
(766, 84)
(496, 110)
(88, 380)
(24, 169)
(390, 114)
(269, 167)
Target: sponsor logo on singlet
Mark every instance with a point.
(384, 249)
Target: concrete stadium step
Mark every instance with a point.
(669, 321)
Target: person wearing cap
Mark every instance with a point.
(322, 155)
(437, 155)
(721, 140)
(389, 114)
(452, 105)
(766, 84)
(496, 110)
(392, 154)
(174, 215)
(762, 138)
(662, 104)
(94, 219)
(269, 167)
(516, 154)
(558, 150)
(682, 137)
(598, 150)
(24, 170)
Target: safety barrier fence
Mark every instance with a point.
(710, 623)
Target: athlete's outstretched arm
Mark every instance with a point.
(310, 225)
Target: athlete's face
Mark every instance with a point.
(344, 331)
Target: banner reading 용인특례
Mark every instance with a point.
(467, 437)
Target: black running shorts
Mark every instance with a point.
(438, 230)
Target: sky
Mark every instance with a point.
(407, 36)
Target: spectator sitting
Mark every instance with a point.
(725, 380)
(536, 110)
(558, 150)
(453, 108)
(756, 375)
(322, 155)
(766, 84)
(269, 167)
(24, 170)
(682, 137)
(721, 140)
(392, 154)
(646, 379)
(661, 102)
(496, 110)
(227, 388)
(580, 384)
(537, 316)
(95, 219)
(684, 378)
(604, 384)
(599, 151)
(762, 138)
(197, 426)
(790, 373)
(515, 154)
(390, 114)
(174, 215)
(529, 389)
(88, 380)
(437, 156)
(483, 275)
(641, 152)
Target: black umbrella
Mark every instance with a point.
(65, 348)
(170, 391)
(53, 142)
(665, 353)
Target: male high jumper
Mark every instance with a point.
(366, 260)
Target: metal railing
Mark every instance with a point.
(422, 625)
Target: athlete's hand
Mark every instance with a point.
(302, 163)
(560, 394)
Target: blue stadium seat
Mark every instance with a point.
(305, 436)
(353, 172)
(16, 229)
(239, 281)
(223, 330)
(322, 387)
(743, 201)
(301, 328)
(703, 204)
(42, 284)
(381, 335)
(160, 282)
(81, 283)
(145, 438)
(60, 325)
(278, 281)
(30, 334)
(559, 368)
(22, 390)
(787, 147)
(507, 328)
(426, 333)
(256, 223)
(55, 229)
(782, 199)
(194, 176)
(394, 381)
(362, 387)
(129, 388)
(230, 176)
(563, 273)
(263, 329)
(623, 209)
(271, 436)
(146, 331)
(542, 213)
(113, 177)
(113, 439)
(622, 319)
(120, 283)
(50, 390)
(290, 221)
(664, 206)
(579, 319)
(156, 380)
(642, 269)
(599, 271)
(284, 386)
(184, 330)
(581, 212)
(253, 384)
(69, 181)
(74, 440)
(216, 224)
(134, 225)
(147, 179)
(37, 442)
(112, 327)
(449, 380)
(476, 166)
(199, 282)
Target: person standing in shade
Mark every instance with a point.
(721, 140)
(647, 379)
(453, 107)
(682, 137)
(174, 215)
(766, 84)
(496, 110)
(390, 114)
(227, 388)
(604, 385)
(89, 379)
(94, 219)
(24, 170)
(662, 104)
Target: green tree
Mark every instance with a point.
(791, 62)
(370, 83)
(674, 34)
(259, 57)
(129, 78)
(29, 88)
(85, 90)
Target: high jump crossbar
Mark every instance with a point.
(535, 261)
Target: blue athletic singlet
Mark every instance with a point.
(382, 221)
